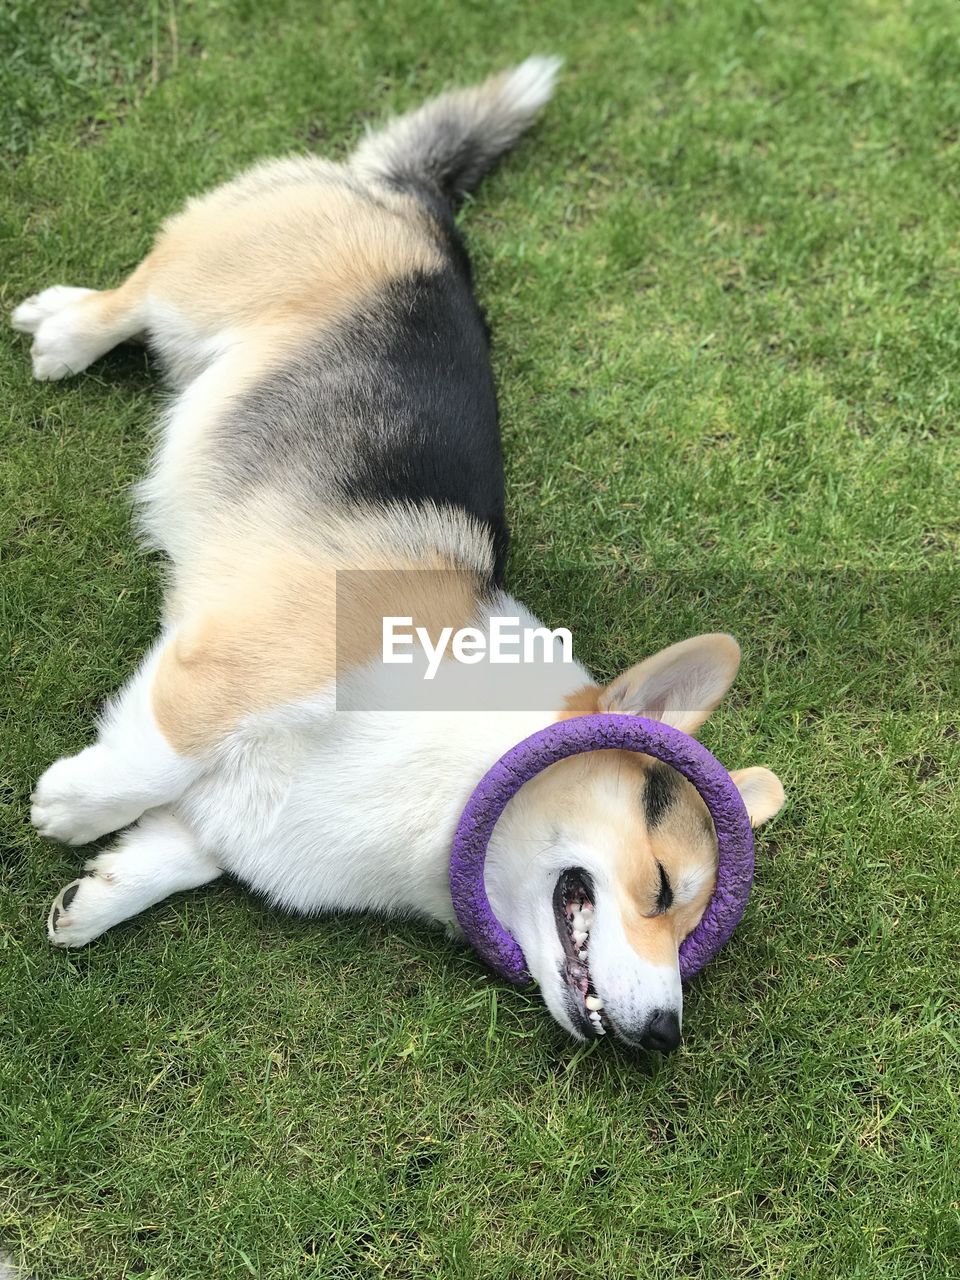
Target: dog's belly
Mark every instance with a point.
(356, 816)
(347, 819)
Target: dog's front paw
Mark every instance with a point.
(61, 344)
(72, 802)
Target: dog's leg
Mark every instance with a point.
(132, 767)
(73, 327)
(172, 721)
(157, 857)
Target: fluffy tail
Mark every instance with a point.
(451, 142)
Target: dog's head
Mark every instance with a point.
(602, 864)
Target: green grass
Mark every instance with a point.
(723, 281)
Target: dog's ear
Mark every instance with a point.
(762, 793)
(680, 685)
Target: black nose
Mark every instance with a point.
(662, 1031)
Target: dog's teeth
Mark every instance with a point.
(587, 913)
(583, 954)
(595, 1003)
(579, 920)
(579, 937)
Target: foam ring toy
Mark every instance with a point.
(492, 942)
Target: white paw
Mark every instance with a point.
(31, 313)
(157, 857)
(73, 803)
(61, 343)
(82, 910)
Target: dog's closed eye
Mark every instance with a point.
(664, 893)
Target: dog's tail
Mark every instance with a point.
(450, 143)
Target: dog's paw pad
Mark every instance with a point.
(82, 910)
(59, 923)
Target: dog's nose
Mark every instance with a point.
(662, 1031)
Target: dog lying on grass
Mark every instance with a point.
(335, 414)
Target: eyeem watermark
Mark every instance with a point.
(505, 643)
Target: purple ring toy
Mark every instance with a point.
(571, 737)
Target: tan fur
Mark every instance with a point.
(258, 267)
(762, 793)
(584, 702)
(684, 845)
(246, 276)
(290, 246)
(290, 621)
(114, 313)
(276, 256)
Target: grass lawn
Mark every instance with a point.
(723, 280)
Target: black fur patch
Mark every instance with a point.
(396, 403)
(435, 389)
(661, 791)
(665, 891)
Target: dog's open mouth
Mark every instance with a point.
(573, 907)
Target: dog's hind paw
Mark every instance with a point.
(61, 344)
(32, 312)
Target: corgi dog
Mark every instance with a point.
(333, 417)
